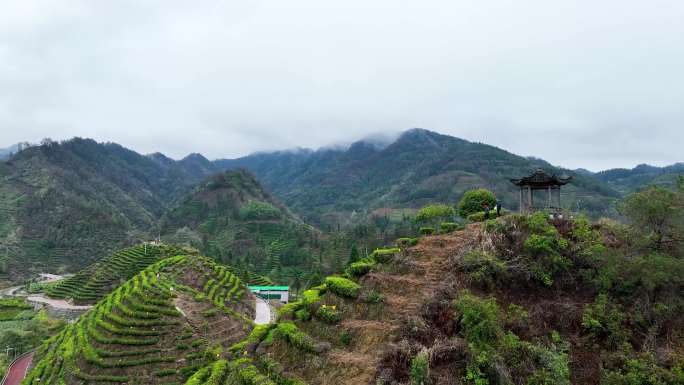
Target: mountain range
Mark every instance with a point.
(66, 204)
(332, 185)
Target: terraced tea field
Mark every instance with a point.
(160, 327)
(95, 281)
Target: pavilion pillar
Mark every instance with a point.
(530, 200)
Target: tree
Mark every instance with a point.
(353, 254)
(657, 213)
(473, 201)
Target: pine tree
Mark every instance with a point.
(354, 254)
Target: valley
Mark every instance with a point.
(398, 268)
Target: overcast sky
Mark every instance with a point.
(581, 83)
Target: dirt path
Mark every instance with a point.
(263, 312)
(17, 370)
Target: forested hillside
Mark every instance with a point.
(68, 204)
(232, 218)
(335, 186)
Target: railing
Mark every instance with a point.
(9, 368)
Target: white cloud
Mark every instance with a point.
(577, 82)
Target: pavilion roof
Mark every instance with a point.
(540, 178)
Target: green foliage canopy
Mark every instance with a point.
(433, 212)
(255, 210)
(473, 201)
(658, 212)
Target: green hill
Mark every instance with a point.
(231, 217)
(95, 281)
(65, 205)
(332, 186)
(159, 327)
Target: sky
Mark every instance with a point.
(580, 83)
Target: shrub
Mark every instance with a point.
(346, 338)
(448, 227)
(419, 371)
(343, 287)
(311, 296)
(432, 212)
(405, 242)
(303, 314)
(605, 321)
(642, 370)
(480, 216)
(358, 269)
(288, 310)
(255, 336)
(482, 267)
(474, 201)
(384, 255)
(328, 314)
(373, 296)
(480, 318)
(289, 332)
(426, 230)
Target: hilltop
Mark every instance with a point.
(520, 300)
(231, 217)
(421, 166)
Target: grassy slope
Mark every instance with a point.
(527, 333)
(158, 328)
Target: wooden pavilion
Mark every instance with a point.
(540, 180)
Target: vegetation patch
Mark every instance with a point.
(343, 287)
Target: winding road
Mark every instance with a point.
(17, 370)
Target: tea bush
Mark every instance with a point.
(343, 287)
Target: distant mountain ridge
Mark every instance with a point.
(419, 167)
(627, 180)
(5, 153)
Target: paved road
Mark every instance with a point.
(56, 303)
(263, 312)
(10, 291)
(17, 370)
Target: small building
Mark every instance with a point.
(540, 180)
(280, 293)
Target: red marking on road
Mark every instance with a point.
(17, 371)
